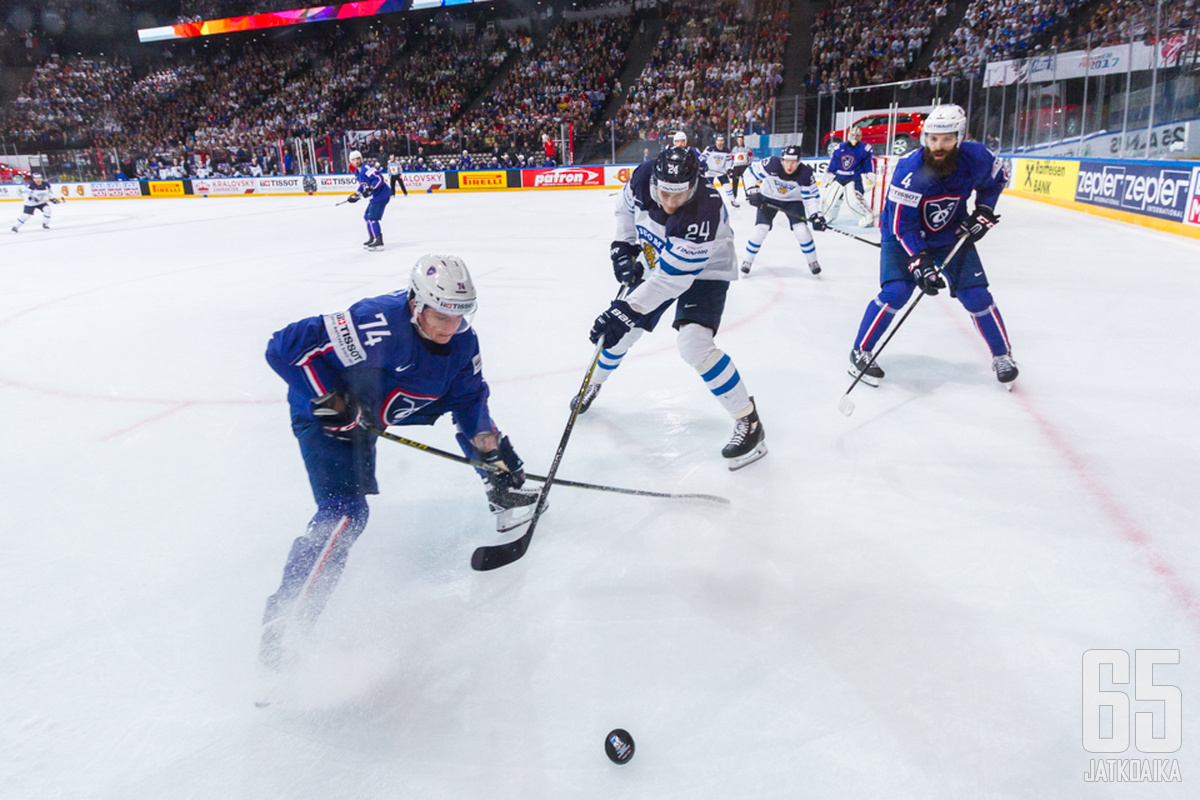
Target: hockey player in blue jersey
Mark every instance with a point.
(784, 184)
(672, 217)
(373, 186)
(924, 214)
(405, 358)
(851, 164)
(37, 194)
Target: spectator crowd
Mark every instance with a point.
(865, 42)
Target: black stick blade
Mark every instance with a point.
(490, 557)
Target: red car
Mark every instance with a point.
(875, 132)
(13, 175)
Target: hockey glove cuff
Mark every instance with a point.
(924, 271)
(338, 415)
(354, 198)
(624, 262)
(818, 223)
(754, 196)
(979, 223)
(613, 324)
(513, 474)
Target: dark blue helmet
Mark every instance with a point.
(791, 152)
(675, 170)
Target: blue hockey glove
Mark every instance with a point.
(614, 323)
(338, 414)
(925, 273)
(624, 262)
(818, 223)
(979, 223)
(754, 196)
(513, 475)
(365, 191)
(354, 198)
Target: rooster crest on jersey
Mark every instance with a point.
(675, 170)
(442, 282)
(945, 119)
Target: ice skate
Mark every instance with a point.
(745, 265)
(16, 229)
(513, 507)
(735, 203)
(375, 244)
(46, 225)
(589, 394)
(814, 267)
(872, 374)
(1006, 370)
(748, 442)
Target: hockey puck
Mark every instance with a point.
(619, 746)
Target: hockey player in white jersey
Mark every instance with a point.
(37, 194)
(675, 219)
(784, 184)
(718, 161)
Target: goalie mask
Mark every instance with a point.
(443, 283)
(945, 119)
(675, 171)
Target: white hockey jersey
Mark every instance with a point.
(780, 187)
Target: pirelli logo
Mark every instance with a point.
(344, 338)
(904, 197)
(482, 180)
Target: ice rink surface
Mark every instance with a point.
(895, 605)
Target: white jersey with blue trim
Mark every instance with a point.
(38, 195)
(717, 162)
(777, 185)
(695, 243)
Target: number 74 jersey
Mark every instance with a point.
(695, 243)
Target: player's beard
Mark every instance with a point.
(944, 167)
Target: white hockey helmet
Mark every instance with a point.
(680, 139)
(353, 155)
(442, 282)
(946, 118)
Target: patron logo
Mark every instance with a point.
(481, 180)
(570, 176)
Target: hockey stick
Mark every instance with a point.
(846, 405)
(827, 227)
(862, 239)
(383, 434)
(492, 556)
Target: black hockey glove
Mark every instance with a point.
(338, 414)
(624, 262)
(513, 475)
(365, 191)
(754, 196)
(354, 198)
(979, 223)
(614, 323)
(818, 223)
(925, 273)
(55, 200)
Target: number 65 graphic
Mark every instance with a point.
(1144, 689)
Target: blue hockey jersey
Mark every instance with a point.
(373, 352)
(850, 160)
(372, 183)
(924, 210)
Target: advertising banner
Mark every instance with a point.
(284, 184)
(492, 179)
(222, 186)
(424, 181)
(1152, 190)
(562, 177)
(1113, 60)
(1049, 178)
(166, 189)
(1191, 214)
(12, 191)
(618, 175)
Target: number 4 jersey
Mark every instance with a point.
(695, 243)
(373, 352)
(923, 209)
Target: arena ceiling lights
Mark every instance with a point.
(297, 16)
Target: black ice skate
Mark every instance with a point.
(815, 267)
(872, 374)
(513, 507)
(589, 394)
(1006, 370)
(748, 443)
(46, 225)
(375, 244)
(746, 266)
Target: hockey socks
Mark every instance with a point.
(716, 369)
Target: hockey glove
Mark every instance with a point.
(354, 198)
(818, 223)
(979, 223)
(754, 196)
(925, 273)
(365, 191)
(338, 414)
(624, 262)
(513, 474)
(613, 324)
(55, 200)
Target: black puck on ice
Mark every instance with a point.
(619, 746)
